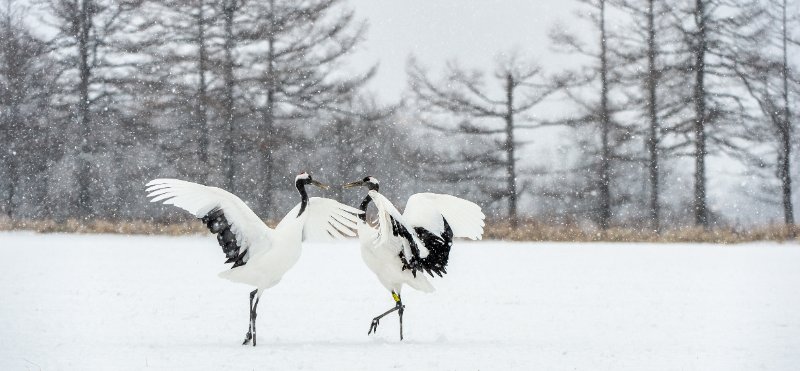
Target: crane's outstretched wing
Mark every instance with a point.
(424, 233)
(325, 219)
(437, 218)
(431, 210)
(240, 232)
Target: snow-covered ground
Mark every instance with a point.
(132, 302)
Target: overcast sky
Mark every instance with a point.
(474, 32)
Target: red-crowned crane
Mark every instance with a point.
(405, 246)
(260, 255)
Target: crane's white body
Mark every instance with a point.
(276, 254)
(386, 265)
(380, 249)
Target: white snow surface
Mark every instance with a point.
(107, 302)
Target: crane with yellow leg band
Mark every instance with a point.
(401, 248)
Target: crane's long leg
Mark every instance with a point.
(255, 314)
(398, 306)
(251, 331)
(400, 312)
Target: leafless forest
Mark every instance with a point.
(99, 96)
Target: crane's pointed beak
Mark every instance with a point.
(318, 184)
(358, 183)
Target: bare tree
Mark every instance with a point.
(651, 84)
(25, 90)
(84, 44)
(712, 30)
(180, 41)
(591, 89)
(771, 80)
(463, 95)
(655, 84)
(230, 9)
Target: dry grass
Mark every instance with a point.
(527, 231)
(532, 231)
(105, 226)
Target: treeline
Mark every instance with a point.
(243, 94)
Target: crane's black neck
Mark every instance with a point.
(301, 187)
(363, 208)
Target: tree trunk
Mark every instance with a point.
(267, 141)
(652, 112)
(784, 172)
(11, 156)
(13, 179)
(227, 108)
(202, 95)
(786, 137)
(511, 173)
(269, 114)
(12, 125)
(344, 153)
(699, 97)
(85, 150)
(605, 127)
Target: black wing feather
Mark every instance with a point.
(217, 223)
(438, 248)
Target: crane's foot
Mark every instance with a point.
(373, 327)
(251, 332)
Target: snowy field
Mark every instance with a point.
(73, 302)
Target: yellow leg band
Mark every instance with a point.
(395, 296)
